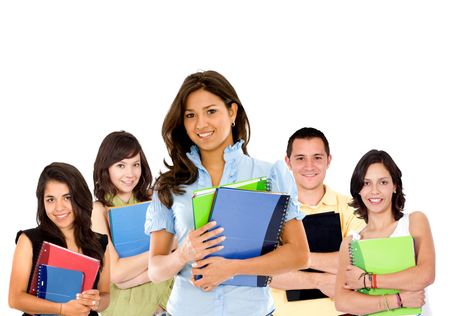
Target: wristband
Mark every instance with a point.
(374, 281)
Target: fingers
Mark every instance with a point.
(212, 242)
(205, 228)
(90, 298)
(211, 234)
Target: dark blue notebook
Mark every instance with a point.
(324, 234)
(58, 284)
(252, 222)
(127, 229)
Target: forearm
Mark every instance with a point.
(32, 305)
(165, 267)
(137, 280)
(295, 280)
(124, 269)
(361, 304)
(326, 262)
(412, 279)
(285, 258)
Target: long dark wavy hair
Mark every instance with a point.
(178, 143)
(81, 200)
(357, 182)
(115, 147)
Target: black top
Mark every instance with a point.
(37, 237)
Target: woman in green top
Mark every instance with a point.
(122, 176)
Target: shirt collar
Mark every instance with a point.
(231, 152)
(329, 197)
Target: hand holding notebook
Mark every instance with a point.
(253, 221)
(57, 256)
(382, 256)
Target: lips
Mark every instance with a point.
(61, 216)
(204, 135)
(375, 200)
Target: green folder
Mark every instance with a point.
(202, 200)
(382, 256)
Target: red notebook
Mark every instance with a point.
(57, 256)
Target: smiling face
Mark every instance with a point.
(208, 120)
(125, 175)
(377, 189)
(309, 163)
(58, 204)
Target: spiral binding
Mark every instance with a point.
(36, 272)
(283, 219)
(280, 230)
(39, 280)
(268, 184)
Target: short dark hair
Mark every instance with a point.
(307, 133)
(357, 181)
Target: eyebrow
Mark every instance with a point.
(204, 108)
(49, 195)
(382, 178)
(313, 155)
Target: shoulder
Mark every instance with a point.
(417, 216)
(32, 234)
(103, 239)
(340, 199)
(418, 222)
(99, 207)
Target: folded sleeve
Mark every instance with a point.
(158, 217)
(283, 181)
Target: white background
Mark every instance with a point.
(368, 74)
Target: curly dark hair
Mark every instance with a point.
(357, 182)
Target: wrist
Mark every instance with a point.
(234, 265)
(399, 300)
(180, 257)
(374, 281)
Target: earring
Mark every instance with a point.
(233, 124)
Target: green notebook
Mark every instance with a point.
(382, 256)
(202, 200)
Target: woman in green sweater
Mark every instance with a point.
(122, 176)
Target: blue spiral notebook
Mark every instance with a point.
(127, 229)
(58, 284)
(252, 221)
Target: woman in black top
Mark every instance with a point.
(64, 218)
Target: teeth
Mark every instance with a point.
(375, 200)
(204, 134)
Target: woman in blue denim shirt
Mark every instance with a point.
(206, 132)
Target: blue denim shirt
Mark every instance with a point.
(178, 220)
